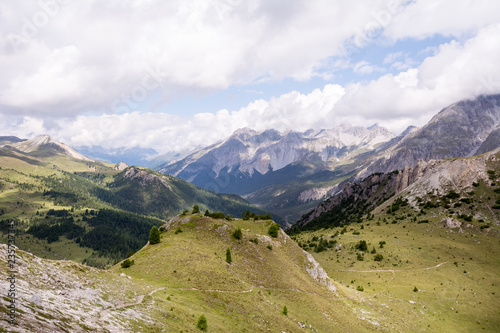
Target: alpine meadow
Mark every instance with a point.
(249, 166)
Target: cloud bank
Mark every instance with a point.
(79, 71)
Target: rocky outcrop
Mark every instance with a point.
(121, 166)
(63, 296)
(145, 177)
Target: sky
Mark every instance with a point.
(174, 75)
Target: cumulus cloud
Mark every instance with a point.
(79, 71)
(421, 18)
(63, 58)
(457, 71)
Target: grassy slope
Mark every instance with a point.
(189, 270)
(456, 274)
(172, 283)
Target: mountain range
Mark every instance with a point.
(289, 173)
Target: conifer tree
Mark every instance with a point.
(228, 256)
(154, 236)
(285, 311)
(202, 323)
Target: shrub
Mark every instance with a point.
(270, 247)
(202, 323)
(362, 246)
(237, 234)
(273, 230)
(381, 243)
(127, 263)
(453, 195)
(178, 230)
(154, 236)
(256, 240)
(378, 257)
(228, 256)
(415, 289)
(360, 257)
(360, 288)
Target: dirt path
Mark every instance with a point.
(393, 271)
(140, 298)
(390, 270)
(104, 313)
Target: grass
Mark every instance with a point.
(192, 278)
(429, 256)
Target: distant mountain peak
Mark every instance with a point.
(42, 141)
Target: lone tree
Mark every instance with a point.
(228, 256)
(273, 230)
(237, 233)
(196, 209)
(202, 323)
(285, 311)
(154, 236)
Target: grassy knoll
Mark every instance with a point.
(189, 272)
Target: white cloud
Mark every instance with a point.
(109, 57)
(424, 18)
(458, 71)
(364, 67)
(62, 58)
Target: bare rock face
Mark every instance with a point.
(466, 128)
(318, 273)
(452, 223)
(68, 296)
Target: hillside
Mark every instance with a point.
(435, 178)
(421, 241)
(169, 287)
(70, 207)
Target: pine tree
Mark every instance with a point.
(202, 323)
(154, 236)
(285, 311)
(196, 209)
(228, 256)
